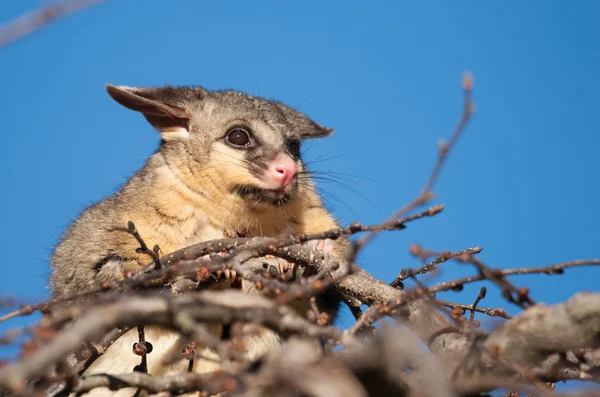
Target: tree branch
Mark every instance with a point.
(31, 22)
(204, 307)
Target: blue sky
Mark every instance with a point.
(522, 182)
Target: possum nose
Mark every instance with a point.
(283, 170)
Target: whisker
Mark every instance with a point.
(304, 151)
(322, 193)
(257, 85)
(233, 157)
(339, 149)
(251, 207)
(281, 210)
(315, 193)
(320, 160)
(331, 179)
(326, 154)
(348, 188)
(306, 99)
(327, 172)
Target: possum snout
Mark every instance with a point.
(281, 172)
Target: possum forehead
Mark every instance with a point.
(265, 117)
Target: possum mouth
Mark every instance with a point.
(277, 197)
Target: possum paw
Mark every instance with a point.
(321, 246)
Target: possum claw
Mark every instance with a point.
(283, 266)
(228, 273)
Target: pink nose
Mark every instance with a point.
(283, 170)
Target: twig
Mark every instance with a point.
(422, 290)
(499, 312)
(189, 353)
(432, 265)
(552, 269)
(480, 296)
(33, 21)
(375, 312)
(24, 310)
(94, 350)
(549, 270)
(443, 150)
(424, 254)
(518, 296)
(142, 349)
(143, 249)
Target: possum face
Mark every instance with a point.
(244, 145)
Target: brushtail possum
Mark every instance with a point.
(228, 165)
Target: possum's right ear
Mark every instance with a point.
(172, 122)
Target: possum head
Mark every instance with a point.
(247, 146)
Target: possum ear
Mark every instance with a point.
(316, 131)
(156, 104)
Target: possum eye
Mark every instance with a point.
(238, 137)
(294, 148)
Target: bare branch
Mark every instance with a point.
(206, 307)
(443, 150)
(499, 312)
(31, 22)
(432, 265)
(567, 326)
(211, 383)
(549, 270)
(253, 247)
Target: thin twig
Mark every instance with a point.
(518, 296)
(432, 265)
(480, 296)
(142, 349)
(549, 270)
(499, 312)
(443, 150)
(375, 312)
(31, 22)
(422, 290)
(143, 248)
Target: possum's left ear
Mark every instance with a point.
(156, 104)
(316, 131)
